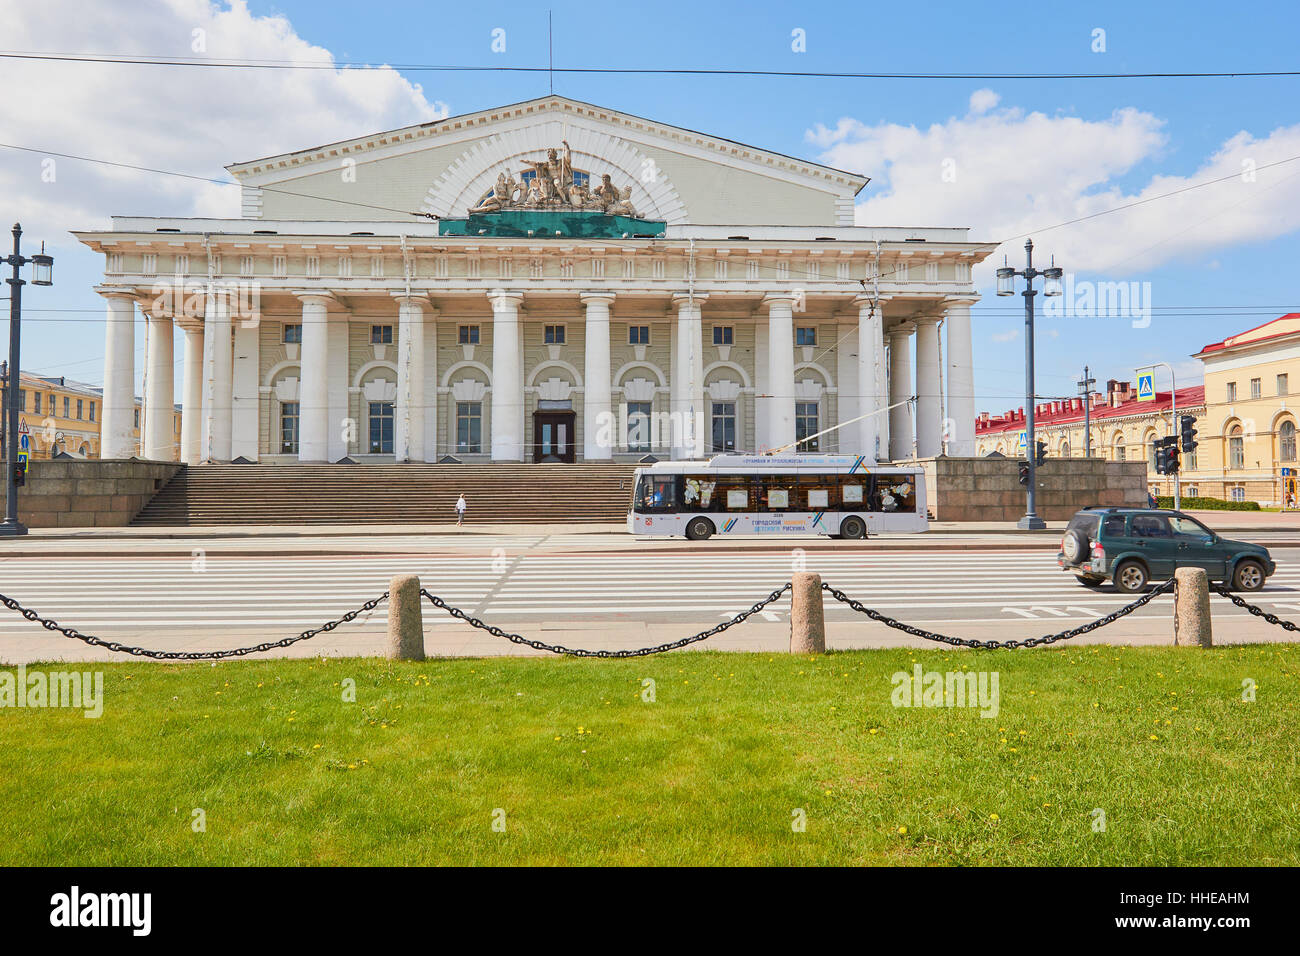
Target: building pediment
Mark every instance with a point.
(447, 167)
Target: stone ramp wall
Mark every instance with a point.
(989, 489)
(89, 493)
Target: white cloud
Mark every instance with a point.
(981, 101)
(1005, 171)
(1009, 336)
(185, 119)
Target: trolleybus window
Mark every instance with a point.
(656, 493)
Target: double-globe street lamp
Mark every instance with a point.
(42, 274)
(1051, 286)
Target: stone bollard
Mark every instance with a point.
(405, 623)
(807, 616)
(1192, 608)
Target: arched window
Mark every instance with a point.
(1065, 449)
(1286, 441)
(1118, 451)
(1236, 448)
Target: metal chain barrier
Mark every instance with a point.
(1224, 591)
(581, 652)
(187, 655)
(993, 645)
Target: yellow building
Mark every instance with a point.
(1248, 434)
(63, 417)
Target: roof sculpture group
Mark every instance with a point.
(552, 187)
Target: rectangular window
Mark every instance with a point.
(468, 335)
(805, 424)
(722, 334)
(137, 415)
(1237, 493)
(638, 425)
(289, 428)
(36, 400)
(1255, 390)
(555, 335)
(66, 403)
(1232, 391)
(724, 426)
(381, 335)
(1236, 452)
(1282, 384)
(469, 425)
(805, 336)
(381, 427)
(638, 335)
(293, 335)
(92, 411)
(79, 409)
(22, 399)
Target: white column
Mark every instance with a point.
(159, 396)
(961, 378)
(245, 393)
(780, 369)
(597, 406)
(929, 405)
(688, 414)
(430, 445)
(873, 440)
(848, 399)
(761, 441)
(313, 389)
(900, 389)
(408, 410)
(192, 398)
(217, 424)
(507, 377)
(116, 440)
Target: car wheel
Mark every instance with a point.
(1248, 576)
(1131, 576)
(1075, 547)
(853, 527)
(698, 529)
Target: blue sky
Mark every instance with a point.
(1028, 153)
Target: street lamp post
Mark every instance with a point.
(1051, 286)
(1173, 422)
(42, 274)
(1085, 389)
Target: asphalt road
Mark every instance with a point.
(622, 597)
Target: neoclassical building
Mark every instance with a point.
(550, 280)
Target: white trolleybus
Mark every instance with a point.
(783, 494)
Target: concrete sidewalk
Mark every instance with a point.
(554, 538)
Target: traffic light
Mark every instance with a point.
(20, 475)
(1167, 455)
(1024, 472)
(1188, 433)
(1040, 455)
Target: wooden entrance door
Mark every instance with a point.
(553, 436)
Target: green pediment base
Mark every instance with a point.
(550, 224)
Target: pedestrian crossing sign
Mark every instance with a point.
(1146, 387)
(1021, 441)
(22, 461)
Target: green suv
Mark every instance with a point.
(1132, 546)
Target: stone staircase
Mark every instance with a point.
(390, 494)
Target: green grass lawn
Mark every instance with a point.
(712, 772)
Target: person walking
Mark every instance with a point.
(461, 505)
